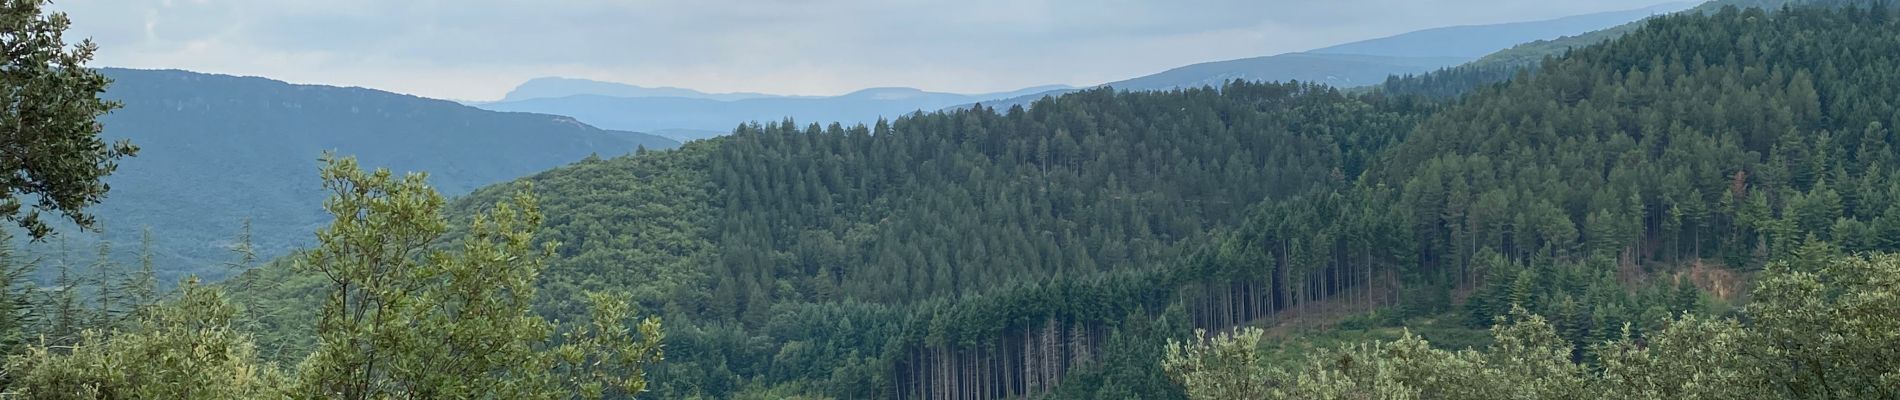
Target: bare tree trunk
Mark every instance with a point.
(1049, 355)
(946, 378)
(1029, 369)
(1367, 284)
(1009, 373)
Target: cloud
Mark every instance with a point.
(480, 48)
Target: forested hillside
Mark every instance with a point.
(1694, 141)
(1054, 250)
(1504, 64)
(1473, 41)
(1374, 61)
(1533, 52)
(733, 236)
(222, 150)
(1689, 152)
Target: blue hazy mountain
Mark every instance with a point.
(553, 87)
(1476, 41)
(1369, 62)
(1341, 70)
(1531, 52)
(217, 150)
(688, 114)
(688, 117)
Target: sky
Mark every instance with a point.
(479, 49)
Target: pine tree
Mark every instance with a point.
(65, 315)
(105, 282)
(141, 288)
(16, 299)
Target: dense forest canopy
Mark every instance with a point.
(990, 253)
(1701, 207)
(735, 234)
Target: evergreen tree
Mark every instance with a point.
(17, 318)
(105, 283)
(141, 288)
(61, 305)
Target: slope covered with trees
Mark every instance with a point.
(1473, 41)
(1533, 52)
(219, 151)
(756, 243)
(1369, 63)
(1504, 64)
(1053, 250)
(1735, 138)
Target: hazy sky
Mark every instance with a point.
(478, 49)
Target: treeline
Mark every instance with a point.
(99, 294)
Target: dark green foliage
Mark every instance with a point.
(1508, 63)
(1537, 51)
(956, 205)
(1093, 182)
(1698, 138)
(1451, 82)
(990, 253)
(871, 232)
(1696, 133)
(52, 158)
(16, 297)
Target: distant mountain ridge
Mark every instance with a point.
(1506, 64)
(1370, 62)
(1339, 70)
(690, 114)
(1474, 41)
(1534, 51)
(218, 150)
(554, 87)
(697, 115)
